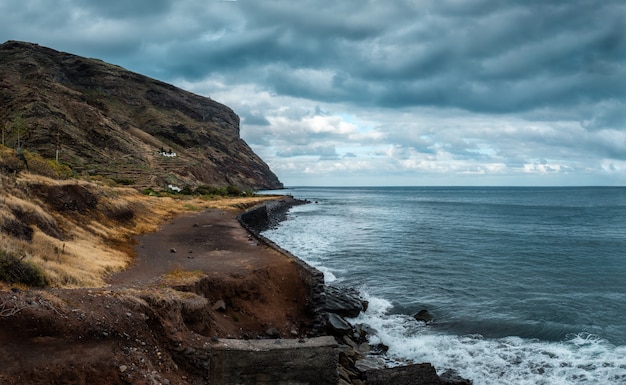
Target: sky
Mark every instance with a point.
(388, 92)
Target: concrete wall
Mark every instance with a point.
(264, 362)
(252, 220)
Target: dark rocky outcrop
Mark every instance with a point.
(105, 120)
(345, 302)
(424, 316)
(422, 374)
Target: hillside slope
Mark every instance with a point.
(104, 120)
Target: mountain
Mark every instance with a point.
(103, 120)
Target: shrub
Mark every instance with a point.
(209, 190)
(62, 171)
(9, 163)
(186, 190)
(124, 181)
(233, 190)
(46, 167)
(15, 269)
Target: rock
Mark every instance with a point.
(364, 348)
(273, 332)
(451, 377)
(338, 324)
(417, 374)
(172, 250)
(370, 363)
(347, 357)
(343, 374)
(365, 330)
(219, 305)
(343, 301)
(379, 349)
(123, 368)
(349, 342)
(424, 316)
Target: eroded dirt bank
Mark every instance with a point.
(200, 277)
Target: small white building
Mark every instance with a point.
(174, 188)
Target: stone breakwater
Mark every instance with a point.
(358, 362)
(270, 214)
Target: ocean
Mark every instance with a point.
(526, 285)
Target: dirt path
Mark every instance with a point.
(212, 241)
(260, 286)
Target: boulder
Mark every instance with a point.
(379, 349)
(219, 305)
(416, 374)
(338, 325)
(344, 301)
(369, 363)
(424, 316)
(451, 377)
(273, 332)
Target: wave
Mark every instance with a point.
(581, 358)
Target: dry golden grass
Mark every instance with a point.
(178, 276)
(96, 243)
(24, 207)
(168, 298)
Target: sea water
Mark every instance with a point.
(527, 285)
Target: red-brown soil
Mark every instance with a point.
(155, 322)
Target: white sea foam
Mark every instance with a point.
(581, 359)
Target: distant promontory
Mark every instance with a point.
(102, 120)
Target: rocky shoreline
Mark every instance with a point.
(359, 362)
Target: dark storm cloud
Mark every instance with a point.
(486, 56)
(123, 9)
(431, 86)
(481, 56)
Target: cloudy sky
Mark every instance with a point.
(388, 92)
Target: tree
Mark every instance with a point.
(19, 124)
(4, 128)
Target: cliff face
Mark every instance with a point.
(104, 120)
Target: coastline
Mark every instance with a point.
(359, 363)
(205, 293)
(196, 283)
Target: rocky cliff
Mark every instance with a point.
(101, 119)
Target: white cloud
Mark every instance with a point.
(402, 92)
